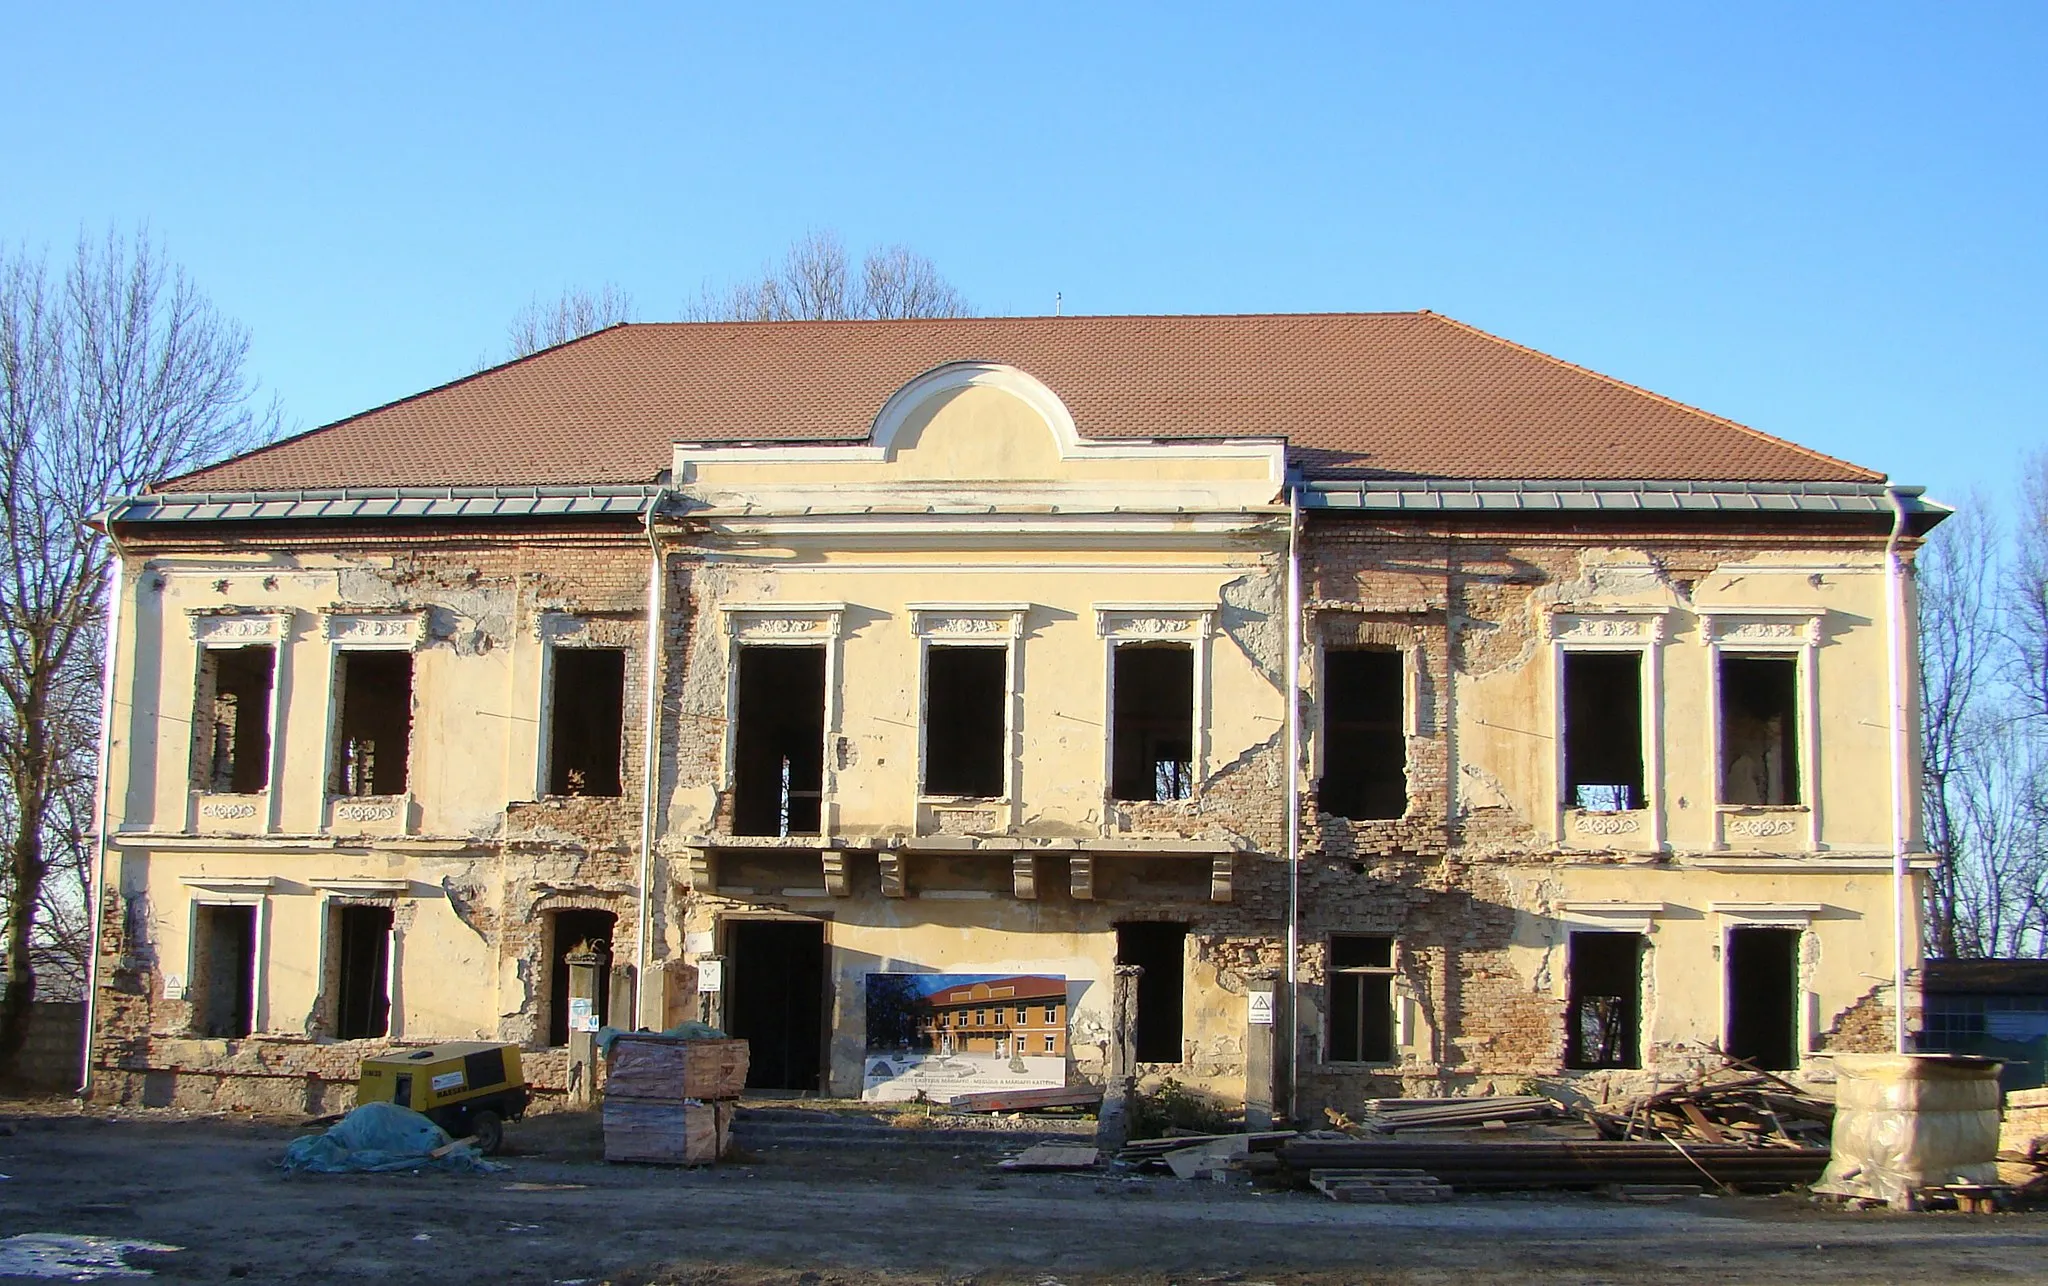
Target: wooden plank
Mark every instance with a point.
(1709, 1131)
(1024, 1100)
(1052, 1156)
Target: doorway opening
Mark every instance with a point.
(573, 931)
(1763, 995)
(1603, 1017)
(362, 971)
(1161, 949)
(223, 986)
(775, 1000)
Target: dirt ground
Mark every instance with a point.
(915, 1213)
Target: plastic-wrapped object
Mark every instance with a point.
(1904, 1122)
(382, 1137)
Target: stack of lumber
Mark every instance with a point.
(1026, 1100)
(1735, 1105)
(1563, 1163)
(1393, 1115)
(671, 1100)
(1379, 1185)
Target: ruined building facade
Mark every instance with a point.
(967, 650)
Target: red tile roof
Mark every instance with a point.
(1355, 395)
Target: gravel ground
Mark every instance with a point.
(899, 1210)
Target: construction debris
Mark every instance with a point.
(1155, 1153)
(1394, 1115)
(1735, 1105)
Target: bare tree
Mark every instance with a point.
(2026, 591)
(1959, 644)
(114, 372)
(574, 314)
(818, 281)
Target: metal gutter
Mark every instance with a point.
(650, 770)
(1466, 495)
(386, 502)
(103, 802)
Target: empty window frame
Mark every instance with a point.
(1361, 987)
(1603, 1011)
(231, 720)
(1365, 743)
(1152, 722)
(1603, 730)
(1759, 729)
(1160, 949)
(966, 729)
(586, 720)
(373, 722)
(223, 983)
(779, 741)
(1763, 997)
(361, 977)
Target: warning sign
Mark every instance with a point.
(1260, 1008)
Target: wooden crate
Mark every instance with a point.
(646, 1066)
(671, 1133)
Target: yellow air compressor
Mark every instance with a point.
(467, 1087)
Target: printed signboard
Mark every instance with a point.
(946, 1034)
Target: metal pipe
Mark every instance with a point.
(1895, 625)
(1293, 691)
(102, 803)
(651, 755)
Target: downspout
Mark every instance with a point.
(1293, 689)
(102, 803)
(1895, 626)
(651, 755)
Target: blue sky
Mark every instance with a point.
(1825, 221)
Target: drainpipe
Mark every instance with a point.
(651, 765)
(102, 803)
(1293, 690)
(1895, 626)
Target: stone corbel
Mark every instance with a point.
(697, 861)
(891, 865)
(1220, 868)
(1024, 876)
(1081, 877)
(836, 883)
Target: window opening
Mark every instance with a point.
(1603, 1011)
(1152, 737)
(362, 984)
(577, 930)
(1161, 949)
(1759, 730)
(224, 971)
(776, 1000)
(1763, 983)
(1361, 998)
(1603, 730)
(779, 745)
(1365, 744)
(232, 719)
(373, 695)
(965, 750)
(585, 721)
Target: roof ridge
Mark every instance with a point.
(1654, 396)
(457, 382)
(1022, 317)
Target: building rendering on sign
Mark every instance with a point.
(1550, 719)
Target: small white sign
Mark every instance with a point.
(174, 986)
(447, 1081)
(582, 1014)
(710, 976)
(1259, 1008)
